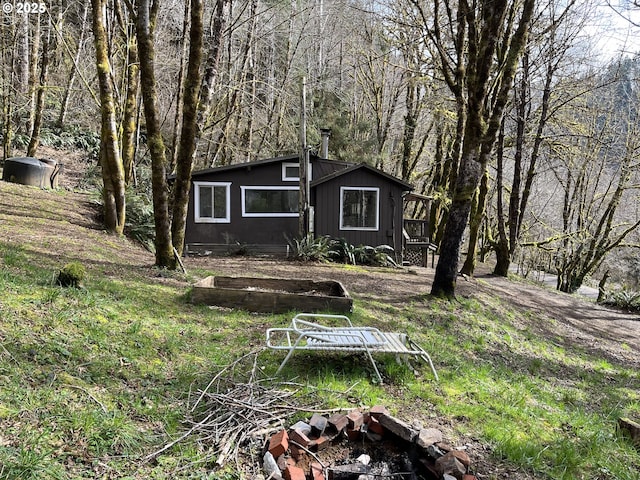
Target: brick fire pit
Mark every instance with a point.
(362, 446)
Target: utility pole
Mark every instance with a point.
(303, 199)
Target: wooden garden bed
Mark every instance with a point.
(273, 295)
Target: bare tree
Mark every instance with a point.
(131, 80)
(211, 69)
(64, 104)
(541, 71)
(48, 47)
(598, 175)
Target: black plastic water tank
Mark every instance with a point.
(32, 171)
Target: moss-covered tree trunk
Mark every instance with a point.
(38, 106)
(130, 117)
(146, 14)
(477, 217)
(501, 244)
(110, 160)
(189, 132)
(64, 104)
(212, 65)
(491, 57)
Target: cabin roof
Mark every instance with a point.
(238, 166)
(404, 185)
(294, 157)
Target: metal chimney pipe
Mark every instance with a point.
(325, 133)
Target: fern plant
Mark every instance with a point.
(311, 249)
(342, 251)
(140, 224)
(625, 298)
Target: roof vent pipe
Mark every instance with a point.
(325, 133)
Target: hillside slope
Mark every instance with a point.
(92, 380)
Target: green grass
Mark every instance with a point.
(94, 379)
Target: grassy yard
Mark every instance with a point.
(94, 379)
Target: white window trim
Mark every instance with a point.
(368, 189)
(244, 189)
(286, 178)
(196, 206)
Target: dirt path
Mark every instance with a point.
(614, 334)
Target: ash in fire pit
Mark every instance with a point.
(362, 446)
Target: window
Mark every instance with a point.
(212, 202)
(359, 207)
(270, 201)
(291, 172)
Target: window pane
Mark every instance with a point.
(206, 202)
(292, 171)
(220, 202)
(359, 209)
(212, 202)
(271, 201)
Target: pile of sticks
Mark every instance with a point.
(236, 410)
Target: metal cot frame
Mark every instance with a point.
(307, 336)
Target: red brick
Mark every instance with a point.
(297, 452)
(299, 437)
(428, 436)
(318, 423)
(316, 471)
(304, 427)
(378, 410)
(397, 427)
(339, 421)
(450, 465)
(444, 446)
(355, 419)
(322, 442)
(279, 443)
(462, 456)
(294, 473)
(353, 435)
(374, 426)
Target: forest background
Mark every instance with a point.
(152, 88)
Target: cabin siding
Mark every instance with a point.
(233, 232)
(327, 209)
(250, 230)
(243, 230)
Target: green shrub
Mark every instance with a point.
(71, 275)
(71, 136)
(311, 249)
(140, 224)
(20, 141)
(338, 250)
(626, 299)
(380, 256)
(342, 251)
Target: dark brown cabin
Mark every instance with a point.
(361, 204)
(253, 206)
